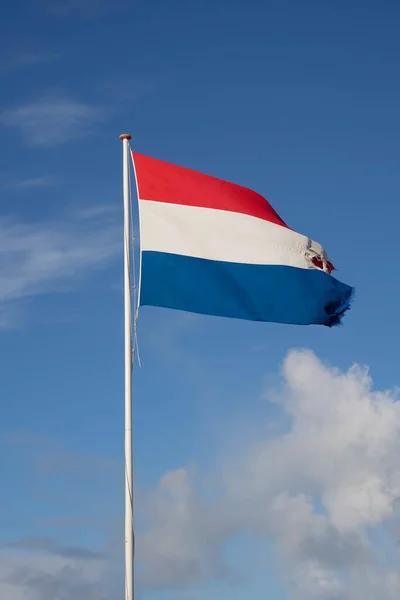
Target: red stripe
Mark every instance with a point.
(165, 182)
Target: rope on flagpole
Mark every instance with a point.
(136, 285)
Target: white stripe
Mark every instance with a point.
(222, 235)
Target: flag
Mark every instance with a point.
(217, 248)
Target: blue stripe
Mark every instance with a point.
(255, 292)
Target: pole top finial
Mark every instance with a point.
(125, 136)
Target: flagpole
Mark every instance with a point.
(129, 533)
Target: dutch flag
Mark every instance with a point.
(213, 247)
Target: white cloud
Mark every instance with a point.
(384, 585)
(183, 544)
(51, 121)
(321, 491)
(39, 256)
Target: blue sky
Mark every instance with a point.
(298, 100)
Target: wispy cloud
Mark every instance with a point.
(17, 59)
(32, 182)
(90, 212)
(324, 491)
(51, 121)
(44, 576)
(35, 543)
(40, 256)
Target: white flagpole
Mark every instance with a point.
(129, 533)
